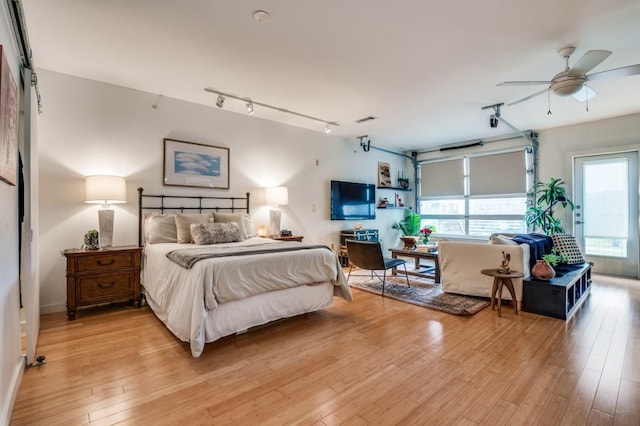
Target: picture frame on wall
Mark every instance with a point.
(384, 174)
(195, 164)
(8, 123)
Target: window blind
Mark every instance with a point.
(498, 174)
(442, 178)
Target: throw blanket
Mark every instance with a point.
(186, 258)
(539, 245)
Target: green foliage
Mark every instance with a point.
(554, 258)
(410, 225)
(548, 195)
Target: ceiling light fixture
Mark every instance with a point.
(261, 16)
(250, 110)
(222, 96)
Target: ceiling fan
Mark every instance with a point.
(573, 79)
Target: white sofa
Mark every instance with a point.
(461, 263)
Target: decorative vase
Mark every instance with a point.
(543, 271)
(409, 242)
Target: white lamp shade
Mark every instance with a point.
(276, 196)
(105, 190)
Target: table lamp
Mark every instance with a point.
(105, 190)
(276, 196)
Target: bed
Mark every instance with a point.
(206, 275)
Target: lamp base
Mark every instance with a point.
(105, 220)
(274, 221)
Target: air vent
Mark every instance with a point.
(362, 120)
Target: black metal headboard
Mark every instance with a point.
(182, 203)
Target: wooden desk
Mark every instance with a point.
(501, 279)
(417, 255)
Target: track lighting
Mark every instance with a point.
(366, 145)
(251, 103)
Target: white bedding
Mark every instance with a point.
(186, 300)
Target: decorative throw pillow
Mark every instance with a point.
(242, 219)
(501, 239)
(160, 228)
(567, 246)
(214, 233)
(184, 221)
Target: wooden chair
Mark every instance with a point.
(368, 255)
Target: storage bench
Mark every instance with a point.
(560, 297)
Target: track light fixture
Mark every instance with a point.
(251, 103)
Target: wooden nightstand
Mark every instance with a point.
(288, 237)
(102, 276)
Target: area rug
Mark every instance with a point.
(422, 292)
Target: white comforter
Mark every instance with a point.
(186, 295)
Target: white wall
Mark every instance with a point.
(558, 147)
(11, 358)
(89, 127)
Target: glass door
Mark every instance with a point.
(606, 213)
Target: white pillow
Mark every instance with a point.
(242, 219)
(160, 228)
(183, 223)
(501, 239)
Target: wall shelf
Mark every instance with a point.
(394, 188)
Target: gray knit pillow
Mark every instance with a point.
(214, 233)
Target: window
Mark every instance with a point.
(476, 195)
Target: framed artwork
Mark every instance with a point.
(8, 123)
(384, 174)
(195, 164)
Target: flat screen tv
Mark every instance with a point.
(352, 201)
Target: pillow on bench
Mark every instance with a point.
(566, 245)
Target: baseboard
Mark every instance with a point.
(14, 386)
(50, 309)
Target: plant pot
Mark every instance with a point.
(543, 271)
(409, 242)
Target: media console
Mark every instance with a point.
(560, 297)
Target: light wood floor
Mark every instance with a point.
(372, 361)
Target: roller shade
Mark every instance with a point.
(498, 174)
(442, 178)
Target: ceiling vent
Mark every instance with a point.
(362, 120)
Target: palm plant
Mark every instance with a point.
(541, 214)
(410, 225)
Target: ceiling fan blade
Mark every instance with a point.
(526, 98)
(590, 60)
(615, 73)
(522, 83)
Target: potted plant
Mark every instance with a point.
(543, 269)
(410, 227)
(541, 214)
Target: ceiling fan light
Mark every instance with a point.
(585, 94)
(565, 84)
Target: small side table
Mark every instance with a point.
(501, 279)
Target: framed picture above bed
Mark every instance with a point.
(195, 164)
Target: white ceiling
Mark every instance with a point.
(424, 68)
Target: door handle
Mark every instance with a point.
(579, 222)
